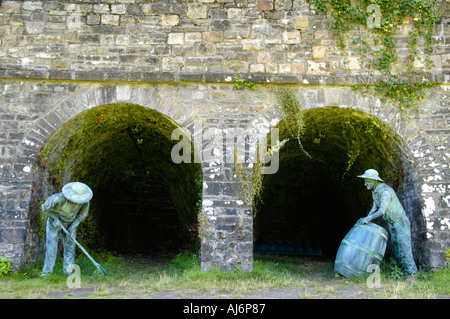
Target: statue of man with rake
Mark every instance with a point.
(66, 209)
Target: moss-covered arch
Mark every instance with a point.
(143, 201)
(312, 202)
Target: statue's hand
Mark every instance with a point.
(363, 221)
(56, 222)
(71, 231)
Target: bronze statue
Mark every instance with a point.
(68, 208)
(387, 205)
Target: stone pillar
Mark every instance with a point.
(226, 221)
(13, 220)
(228, 226)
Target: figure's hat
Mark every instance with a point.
(77, 192)
(371, 174)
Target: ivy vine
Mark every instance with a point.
(377, 49)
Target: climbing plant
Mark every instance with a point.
(251, 181)
(377, 48)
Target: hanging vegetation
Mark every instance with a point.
(292, 114)
(377, 49)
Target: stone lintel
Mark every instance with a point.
(177, 77)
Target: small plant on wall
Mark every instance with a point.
(5, 266)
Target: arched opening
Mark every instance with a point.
(143, 202)
(309, 205)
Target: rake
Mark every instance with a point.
(96, 264)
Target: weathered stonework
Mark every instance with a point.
(58, 58)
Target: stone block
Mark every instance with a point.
(291, 37)
(257, 68)
(172, 64)
(283, 5)
(319, 52)
(212, 36)
(61, 63)
(93, 19)
(110, 19)
(101, 8)
(275, 15)
(234, 13)
(321, 34)
(284, 68)
(197, 11)
(193, 36)
(301, 23)
(123, 40)
(353, 63)
(222, 24)
(10, 235)
(318, 68)
(118, 8)
(176, 38)
(9, 40)
(271, 68)
(134, 9)
(264, 57)
(11, 6)
(170, 19)
(89, 38)
(34, 27)
(265, 31)
(32, 5)
(264, 5)
(5, 248)
(253, 45)
(298, 68)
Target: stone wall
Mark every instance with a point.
(58, 58)
(178, 40)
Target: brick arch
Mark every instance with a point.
(46, 125)
(413, 144)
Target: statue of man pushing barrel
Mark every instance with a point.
(387, 205)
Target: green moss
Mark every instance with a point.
(319, 197)
(331, 133)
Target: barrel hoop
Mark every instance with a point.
(354, 270)
(376, 231)
(376, 255)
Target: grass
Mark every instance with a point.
(284, 277)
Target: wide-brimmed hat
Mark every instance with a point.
(371, 174)
(77, 192)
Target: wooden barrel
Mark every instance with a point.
(363, 245)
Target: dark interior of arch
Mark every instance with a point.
(143, 202)
(309, 205)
